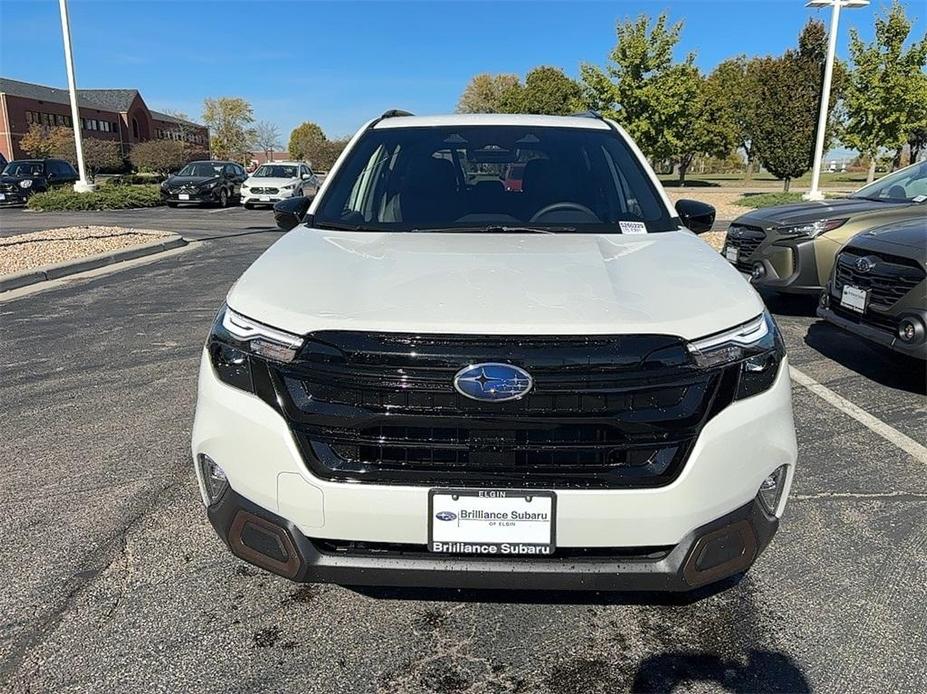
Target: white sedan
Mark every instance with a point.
(271, 183)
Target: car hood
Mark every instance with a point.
(189, 180)
(908, 238)
(541, 284)
(263, 182)
(804, 212)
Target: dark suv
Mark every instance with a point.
(22, 178)
(210, 182)
(878, 287)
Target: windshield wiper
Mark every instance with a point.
(496, 229)
(864, 197)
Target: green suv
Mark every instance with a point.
(878, 288)
(791, 248)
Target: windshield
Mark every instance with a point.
(464, 178)
(907, 185)
(24, 168)
(201, 168)
(276, 171)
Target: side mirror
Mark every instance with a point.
(696, 216)
(305, 177)
(50, 175)
(290, 212)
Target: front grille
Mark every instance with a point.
(746, 240)
(408, 551)
(265, 191)
(604, 411)
(7, 188)
(889, 279)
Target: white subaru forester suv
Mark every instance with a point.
(433, 380)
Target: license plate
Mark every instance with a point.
(499, 522)
(264, 198)
(854, 298)
(731, 254)
(183, 196)
(2, 196)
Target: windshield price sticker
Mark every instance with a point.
(632, 227)
(491, 521)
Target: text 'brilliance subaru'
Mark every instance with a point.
(433, 380)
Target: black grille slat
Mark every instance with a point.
(605, 411)
(889, 280)
(746, 240)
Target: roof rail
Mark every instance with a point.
(395, 113)
(589, 114)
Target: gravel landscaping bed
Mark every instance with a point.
(30, 251)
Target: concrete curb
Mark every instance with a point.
(72, 267)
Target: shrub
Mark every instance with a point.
(112, 197)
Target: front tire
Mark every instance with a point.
(223, 198)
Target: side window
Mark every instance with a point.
(228, 170)
(240, 170)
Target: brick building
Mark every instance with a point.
(119, 115)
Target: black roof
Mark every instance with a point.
(118, 100)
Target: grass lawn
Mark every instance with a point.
(845, 181)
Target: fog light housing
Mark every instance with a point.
(910, 330)
(213, 478)
(824, 301)
(758, 271)
(770, 491)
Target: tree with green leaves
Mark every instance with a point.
(789, 94)
(307, 142)
(627, 88)
(229, 120)
(887, 87)
(690, 114)
(734, 86)
(546, 90)
(486, 93)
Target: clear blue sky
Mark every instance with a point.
(339, 63)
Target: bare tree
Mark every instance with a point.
(266, 138)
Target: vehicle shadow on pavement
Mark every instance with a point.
(547, 597)
(875, 363)
(763, 672)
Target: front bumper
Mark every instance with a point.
(787, 265)
(736, 450)
(709, 553)
(874, 333)
(14, 198)
(198, 197)
(249, 198)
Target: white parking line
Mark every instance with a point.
(223, 209)
(889, 433)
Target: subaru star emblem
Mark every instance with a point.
(446, 515)
(865, 264)
(493, 382)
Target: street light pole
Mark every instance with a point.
(83, 185)
(815, 192)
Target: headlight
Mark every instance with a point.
(812, 229)
(235, 341)
(291, 186)
(208, 185)
(25, 184)
(757, 346)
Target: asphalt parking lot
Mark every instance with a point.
(114, 580)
